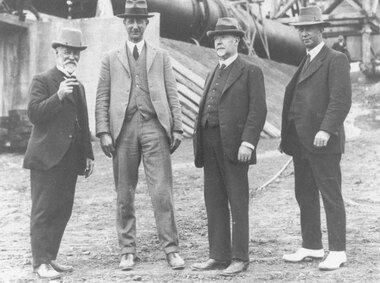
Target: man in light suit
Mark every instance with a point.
(138, 116)
(316, 103)
(231, 117)
(59, 150)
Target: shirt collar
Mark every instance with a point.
(63, 70)
(139, 45)
(228, 61)
(314, 52)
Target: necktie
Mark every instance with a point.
(135, 53)
(222, 67)
(307, 63)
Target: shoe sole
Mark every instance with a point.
(126, 268)
(49, 278)
(331, 269)
(180, 267)
(304, 259)
(234, 273)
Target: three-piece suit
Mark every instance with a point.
(232, 110)
(318, 98)
(59, 145)
(137, 104)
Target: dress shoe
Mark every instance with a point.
(175, 261)
(46, 271)
(127, 262)
(210, 264)
(235, 267)
(334, 260)
(303, 253)
(60, 267)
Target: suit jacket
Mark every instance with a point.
(54, 123)
(242, 110)
(322, 102)
(115, 85)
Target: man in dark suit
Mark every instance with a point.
(59, 150)
(231, 117)
(316, 103)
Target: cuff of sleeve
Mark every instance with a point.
(249, 145)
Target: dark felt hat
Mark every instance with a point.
(135, 9)
(226, 26)
(308, 16)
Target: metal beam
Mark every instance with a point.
(332, 6)
(355, 5)
(285, 9)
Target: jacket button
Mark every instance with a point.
(70, 136)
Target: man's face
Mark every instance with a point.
(311, 35)
(226, 45)
(135, 28)
(68, 58)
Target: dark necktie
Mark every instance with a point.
(307, 63)
(222, 67)
(135, 53)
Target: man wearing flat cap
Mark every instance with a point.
(138, 117)
(59, 150)
(316, 103)
(231, 117)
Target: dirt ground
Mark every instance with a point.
(90, 242)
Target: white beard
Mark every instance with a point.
(70, 68)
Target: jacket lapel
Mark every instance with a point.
(209, 79)
(315, 64)
(123, 57)
(150, 54)
(236, 71)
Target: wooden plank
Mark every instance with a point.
(13, 21)
(333, 5)
(187, 73)
(287, 6)
(190, 95)
(185, 81)
(186, 103)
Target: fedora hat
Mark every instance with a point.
(136, 9)
(226, 26)
(69, 38)
(308, 16)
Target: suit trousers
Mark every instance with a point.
(146, 140)
(314, 174)
(52, 193)
(225, 190)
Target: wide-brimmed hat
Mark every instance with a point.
(226, 26)
(69, 37)
(136, 9)
(308, 16)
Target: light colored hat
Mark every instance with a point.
(226, 26)
(308, 16)
(69, 37)
(136, 9)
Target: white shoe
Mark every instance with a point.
(46, 271)
(303, 253)
(333, 261)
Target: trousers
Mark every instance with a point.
(226, 194)
(145, 140)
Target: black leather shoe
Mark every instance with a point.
(235, 267)
(175, 261)
(60, 267)
(46, 271)
(127, 262)
(210, 264)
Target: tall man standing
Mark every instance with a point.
(231, 117)
(316, 102)
(59, 150)
(138, 116)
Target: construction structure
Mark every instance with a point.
(25, 43)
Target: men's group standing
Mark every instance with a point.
(138, 119)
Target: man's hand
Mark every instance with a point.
(321, 138)
(106, 143)
(66, 87)
(177, 139)
(89, 167)
(244, 154)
